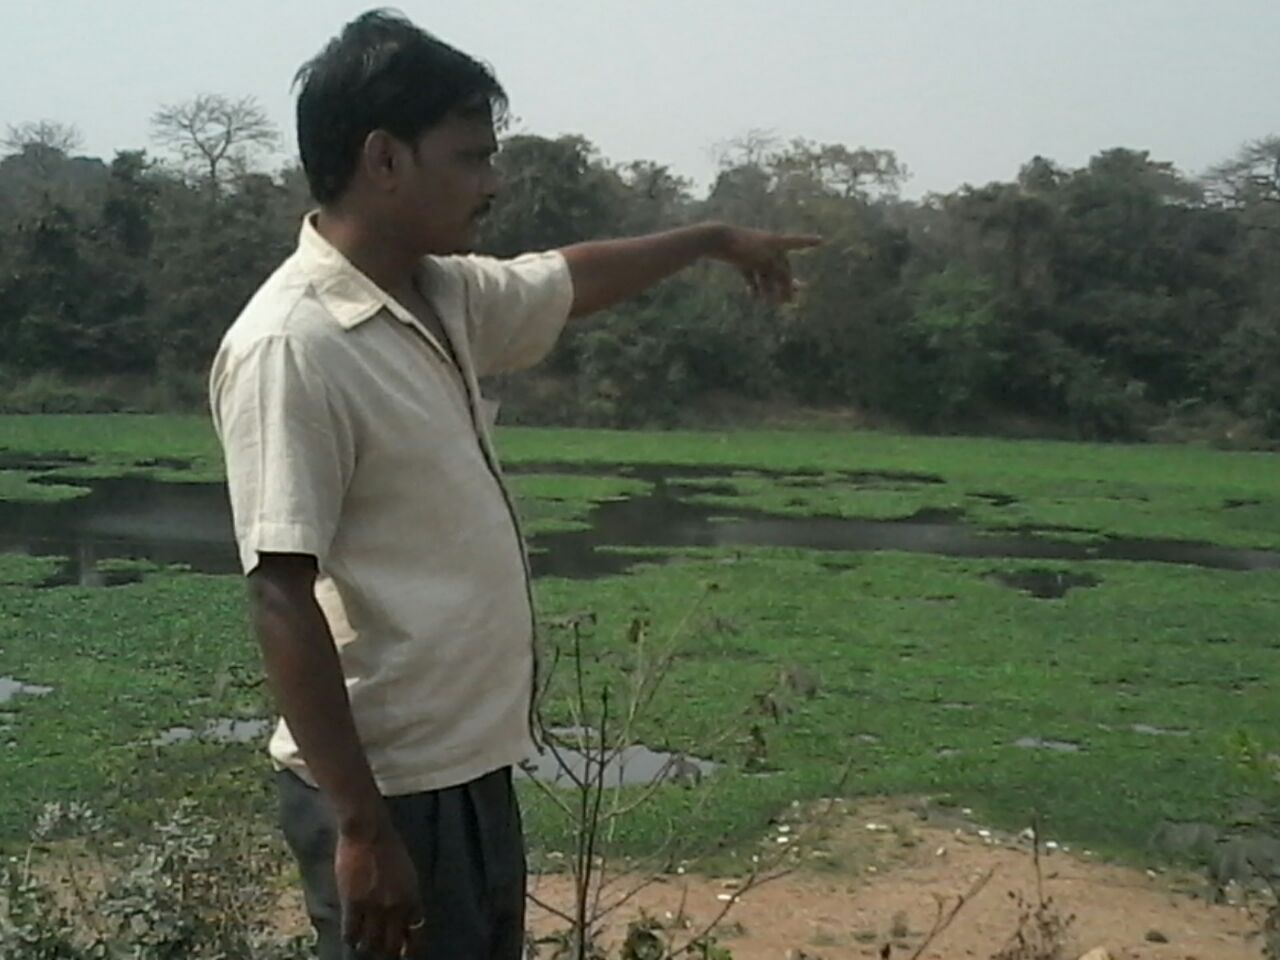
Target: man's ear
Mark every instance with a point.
(381, 159)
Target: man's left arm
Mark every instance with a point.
(606, 272)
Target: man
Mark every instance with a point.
(387, 579)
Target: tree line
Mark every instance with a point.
(1117, 300)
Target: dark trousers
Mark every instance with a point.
(467, 845)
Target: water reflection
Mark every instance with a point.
(576, 754)
(190, 524)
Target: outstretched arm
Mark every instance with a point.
(606, 272)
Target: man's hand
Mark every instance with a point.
(377, 884)
(606, 272)
(761, 258)
(378, 887)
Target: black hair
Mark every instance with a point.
(381, 73)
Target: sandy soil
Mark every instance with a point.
(875, 877)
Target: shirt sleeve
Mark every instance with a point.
(517, 309)
(288, 453)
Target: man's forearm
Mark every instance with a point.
(306, 678)
(606, 272)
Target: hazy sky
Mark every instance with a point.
(963, 90)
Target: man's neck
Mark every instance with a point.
(370, 249)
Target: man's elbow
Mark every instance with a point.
(280, 584)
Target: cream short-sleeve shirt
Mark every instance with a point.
(351, 435)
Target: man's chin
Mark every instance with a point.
(464, 241)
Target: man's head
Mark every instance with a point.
(397, 126)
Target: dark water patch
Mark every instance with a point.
(1234, 504)
(576, 754)
(1039, 743)
(655, 472)
(996, 499)
(709, 490)
(840, 564)
(130, 518)
(857, 478)
(221, 730)
(1044, 584)
(11, 687)
(933, 516)
(189, 524)
(164, 463)
(677, 472)
(1048, 529)
(10, 460)
(804, 482)
(85, 572)
(870, 477)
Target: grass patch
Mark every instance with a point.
(124, 664)
(560, 503)
(17, 486)
(929, 668)
(930, 671)
(118, 444)
(1146, 491)
(17, 570)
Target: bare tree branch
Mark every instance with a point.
(47, 134)
(212, 135)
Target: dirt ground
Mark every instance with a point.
(873, 875)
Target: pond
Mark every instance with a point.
(189, 524)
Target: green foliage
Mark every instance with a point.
(1098, 302)
(914, 653)
(191, 888)
(957, 332)
(644, 363)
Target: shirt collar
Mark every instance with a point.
(349, 296)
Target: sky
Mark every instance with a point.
(964, 91)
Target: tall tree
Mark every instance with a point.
(63, 138)
(1252, 176)
(215, 137)
(554, 191)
